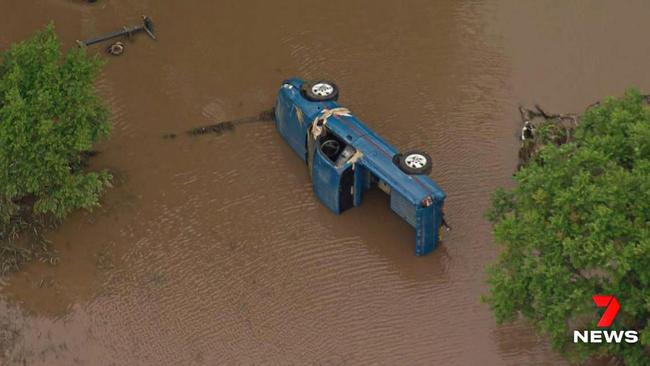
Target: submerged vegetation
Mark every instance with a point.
(577, 224)
(50, 118)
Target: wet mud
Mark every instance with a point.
(214, 251)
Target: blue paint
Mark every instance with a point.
(326, 178)
(341, 187)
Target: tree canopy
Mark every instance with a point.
(49, 116)
(577, 224)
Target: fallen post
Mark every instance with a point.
(147, 27)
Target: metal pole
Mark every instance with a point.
(146, 27)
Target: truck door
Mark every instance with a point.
(333, 186)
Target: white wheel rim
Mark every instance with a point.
(415, 161)
(116, 48)
(322, 89)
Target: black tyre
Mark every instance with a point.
(414, 162)
(319, 91)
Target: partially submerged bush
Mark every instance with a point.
(577, 224)
(49, 115)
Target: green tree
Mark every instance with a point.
(49, 116)
(576, 224)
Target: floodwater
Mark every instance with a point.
(212, 250)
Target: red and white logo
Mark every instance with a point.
(612, 308)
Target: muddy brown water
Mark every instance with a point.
(212, 250)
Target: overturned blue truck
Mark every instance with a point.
(345, 158)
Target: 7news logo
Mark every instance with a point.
(612, 307)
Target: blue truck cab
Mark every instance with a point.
(345, 158)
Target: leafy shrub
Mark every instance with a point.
(49, 115)
(577, 224)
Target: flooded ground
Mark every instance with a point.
(212, 250)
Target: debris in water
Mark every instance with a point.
(217, 128)
(554, 128)
(116, 49)
(541, 128)
(528, 131)
(222, 127)
(147, 27)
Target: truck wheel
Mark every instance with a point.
(414, 162)
(320, 91)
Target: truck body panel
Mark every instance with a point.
(415, 198)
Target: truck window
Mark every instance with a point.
(336, 150)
